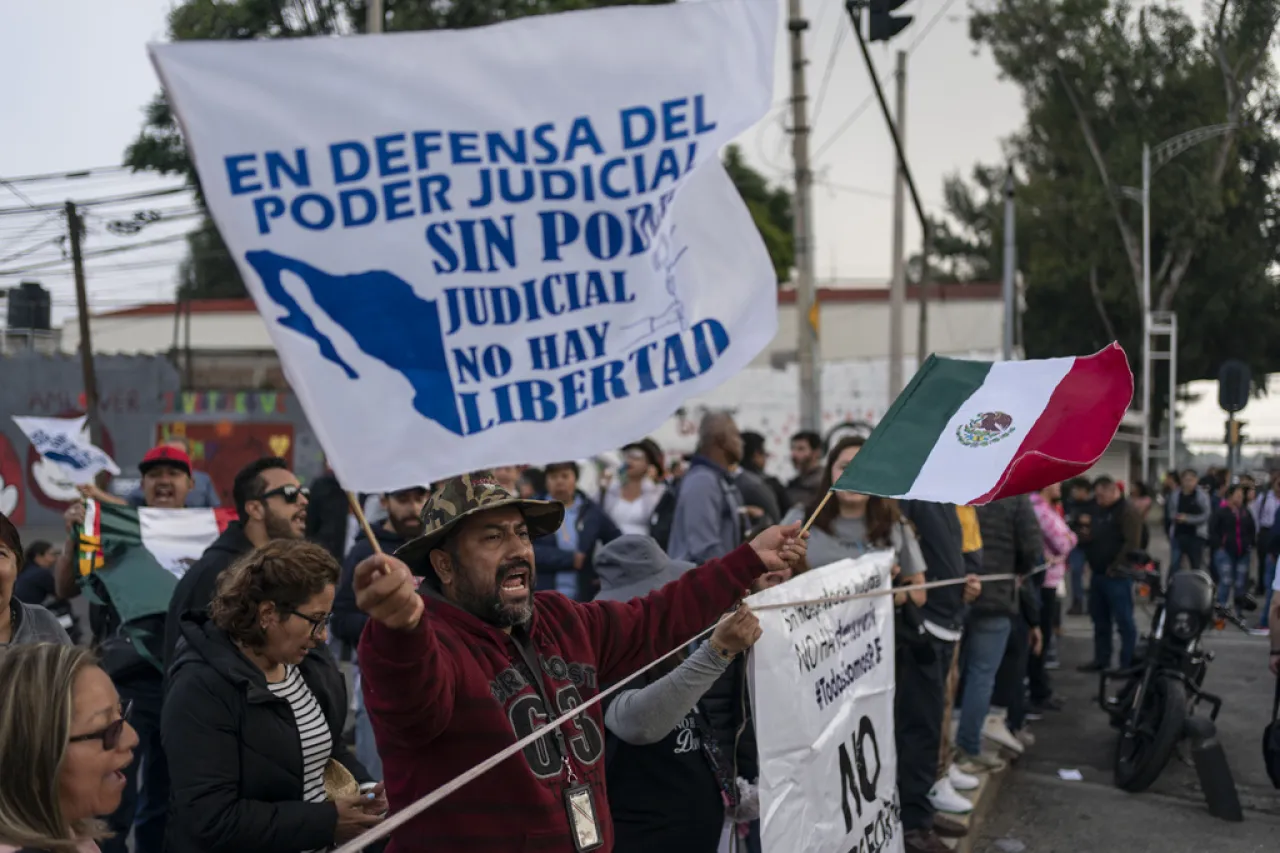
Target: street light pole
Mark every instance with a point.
(1146, 314)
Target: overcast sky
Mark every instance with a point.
(78, 79)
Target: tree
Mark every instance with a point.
(209, 270)
(1098, 79)
(770, 208)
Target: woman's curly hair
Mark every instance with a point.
(286, 572)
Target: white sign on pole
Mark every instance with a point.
(504, 244)
(822, 685)
(65, 443)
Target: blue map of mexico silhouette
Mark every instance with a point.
(413, 345)
(390, 322)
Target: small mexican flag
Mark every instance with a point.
(174, 538)
(971, 432)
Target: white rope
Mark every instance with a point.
(416, 808)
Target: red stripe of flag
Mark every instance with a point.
(223, 516)
(1078, 423)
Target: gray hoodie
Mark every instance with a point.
(33, 624)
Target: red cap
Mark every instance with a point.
(165, 454)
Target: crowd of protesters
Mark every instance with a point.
(226, 724)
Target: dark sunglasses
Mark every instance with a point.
(110, 736)
(289, 494)
(318, 623)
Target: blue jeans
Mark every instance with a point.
(1269, 562)
(1111, 606)
(1233, 572)
(1076, 563)
(1190, 546)
(985, 640)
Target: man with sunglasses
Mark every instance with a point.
(270, 504)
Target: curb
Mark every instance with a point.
(984, 799)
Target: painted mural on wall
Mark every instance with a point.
(222, 448)
(141, 401)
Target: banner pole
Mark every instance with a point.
(364, 522)
(809, 523)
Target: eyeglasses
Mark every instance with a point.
(289, 494)
(110, 736)
(319, 624)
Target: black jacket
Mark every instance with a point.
(1011, 544)
(1228, 525)
(594, 527)
(942, 544)
(728, 712)
(235, 760)
(196, 589)
(348, 620)
(327, 511)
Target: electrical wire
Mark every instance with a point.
(862, 107)
(97, 202)
(74, 174)
(841, 32)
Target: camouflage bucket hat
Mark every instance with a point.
(458, 498)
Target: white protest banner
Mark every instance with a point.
(65, 442)
(822, 684)
(505, 244)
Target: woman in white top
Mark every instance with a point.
(631, 499)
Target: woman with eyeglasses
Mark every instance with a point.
(254, 715)
(21, 622)
(65, 742)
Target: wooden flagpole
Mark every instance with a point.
(364, 522)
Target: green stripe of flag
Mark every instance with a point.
(898, 447)
(119, 524)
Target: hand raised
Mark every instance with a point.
(780, 547)
(385, 590)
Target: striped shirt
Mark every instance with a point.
(313, 731)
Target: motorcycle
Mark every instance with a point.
(1163, 686)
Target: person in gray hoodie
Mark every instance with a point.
(21, 623)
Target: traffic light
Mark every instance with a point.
(884, 24)
(1233, 385)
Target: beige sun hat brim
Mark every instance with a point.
(542, 517)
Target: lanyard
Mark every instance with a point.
(535, 674)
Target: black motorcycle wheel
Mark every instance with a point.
(1141, 759)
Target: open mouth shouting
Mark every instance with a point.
(299, 522)
(164, 495)
(516, 582)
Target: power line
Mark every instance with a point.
(141, 196)
(841, 31)
(862, 108)
(74, 174)
(115, 250)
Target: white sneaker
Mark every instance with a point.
(996, 730)
(962, 781)
(945, 799)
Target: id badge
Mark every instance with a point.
(582, 818)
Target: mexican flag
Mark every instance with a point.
(971, 432)
(172, 538)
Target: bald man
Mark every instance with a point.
(709, 515)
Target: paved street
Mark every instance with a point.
(1049, 815)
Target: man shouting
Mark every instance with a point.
(478, 660)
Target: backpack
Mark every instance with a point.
(663, 515)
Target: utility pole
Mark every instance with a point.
(898, 287)
(1010, 267)
(807, 335)
(373, 19)
(76, 228)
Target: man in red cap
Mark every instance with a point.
(166, 480)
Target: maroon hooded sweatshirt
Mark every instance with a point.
(455, 690)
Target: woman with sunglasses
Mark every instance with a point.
(254, 715)
(65, 742)
(20, 622)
